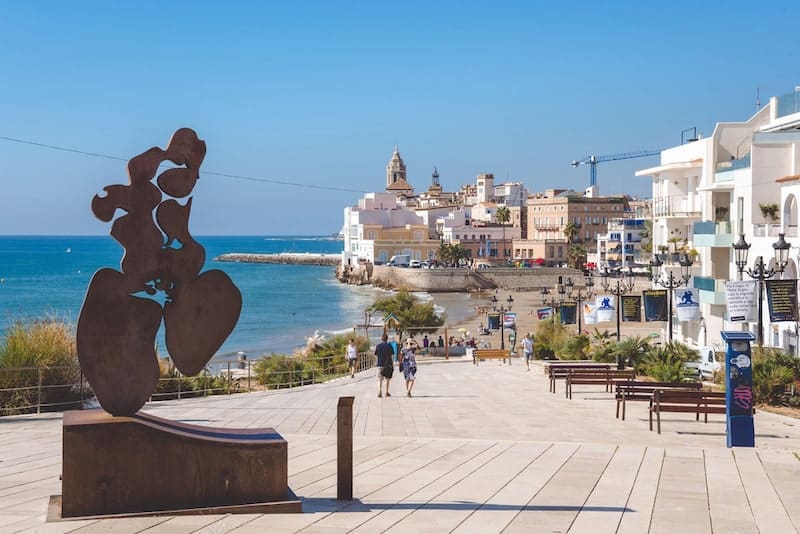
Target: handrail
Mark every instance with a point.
(23, 392)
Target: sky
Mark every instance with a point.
(308, 99)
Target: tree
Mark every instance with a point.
(410, 312)
(577, 256)
(571, 232)
(502, 216)
(452, 254)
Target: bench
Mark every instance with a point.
(490, 354)
(605, 377)
(686, 401)
(560, 370)
(639, 390)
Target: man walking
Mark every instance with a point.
(527, 349)
(384, 364)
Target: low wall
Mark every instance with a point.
(462, 279)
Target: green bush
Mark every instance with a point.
(38, 365)
(575, 348)
(773, 371)
(668, 363)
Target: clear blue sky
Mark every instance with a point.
(320, 92)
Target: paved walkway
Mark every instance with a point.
(483, 450)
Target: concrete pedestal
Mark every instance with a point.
(129, 465)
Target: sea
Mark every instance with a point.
(282, 305)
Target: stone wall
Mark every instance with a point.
(441, 280)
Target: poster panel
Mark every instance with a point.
(631, 308)
(782, 300)
(655, 304)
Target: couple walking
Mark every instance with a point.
(406, 362)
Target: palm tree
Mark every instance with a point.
(571, 232)
(503, 215)
(577, 256)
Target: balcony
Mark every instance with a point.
(675, 206)
(788, 104)
(712, 234)
(726, 171)
(711, 291)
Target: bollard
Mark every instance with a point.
(344, 449)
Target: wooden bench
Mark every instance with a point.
(640, 390)
(556, 371)
(605, 377)
(686, 401)
(490, 354)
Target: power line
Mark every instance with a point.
(210, 173)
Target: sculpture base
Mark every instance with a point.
(145, 465)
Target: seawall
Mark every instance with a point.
(294, 258)
(457, 279)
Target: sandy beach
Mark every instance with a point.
(525, 305)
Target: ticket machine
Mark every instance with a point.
(739, 389)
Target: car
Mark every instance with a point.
(415, 264)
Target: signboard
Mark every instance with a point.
(544, 313)
(688, 309)
(741, 298)
(655, 304)
(782, 299)
(631, 308)
(589, 313)
(569, 313)
(605, 308)
(510, 320)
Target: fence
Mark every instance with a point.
(25, 390)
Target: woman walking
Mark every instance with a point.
(352, 357)
(409, 366)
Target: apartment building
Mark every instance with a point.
(708, 191)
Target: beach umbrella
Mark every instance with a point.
(462, 330)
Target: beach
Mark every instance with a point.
(525, 304)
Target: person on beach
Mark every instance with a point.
(527, 349)
(385, 364)
(441, 342)
(409, 367)
(352, 356)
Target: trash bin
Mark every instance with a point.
(241, 359)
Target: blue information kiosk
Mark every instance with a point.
(739, 389)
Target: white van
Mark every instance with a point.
(708, 365)
(400, 260)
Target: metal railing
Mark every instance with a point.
(27, 390)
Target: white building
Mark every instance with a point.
(621, 246)
(708, 191)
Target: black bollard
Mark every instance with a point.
(344, 449)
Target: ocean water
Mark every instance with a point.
(282, 304)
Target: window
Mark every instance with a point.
(560, 251)
(552, 251)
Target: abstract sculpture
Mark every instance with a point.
(119, 320)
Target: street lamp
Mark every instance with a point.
(554, 302)
(671, 282)
(760, 271)
(502, 310)
(580, 297)
(623, 285)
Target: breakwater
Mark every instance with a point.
(292, 258)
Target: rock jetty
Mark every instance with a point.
(293, 258)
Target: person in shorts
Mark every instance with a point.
(385, 364)
(527, 350)
(352, 356)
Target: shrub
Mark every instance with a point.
(38, 363)
(668, 363)
(773, 371)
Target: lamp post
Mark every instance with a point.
(622, 286)
(760, 271)
(580, 298)
(554, 302)
(671, 282)
(502, 310)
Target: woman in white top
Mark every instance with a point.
(352, 357)
(410, 366)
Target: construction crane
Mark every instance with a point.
(593, 160)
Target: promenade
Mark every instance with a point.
(477, 449)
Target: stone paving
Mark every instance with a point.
(476, 449)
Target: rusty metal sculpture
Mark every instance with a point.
(118, 323)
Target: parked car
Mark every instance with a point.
(415, 264)
(708, 365)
